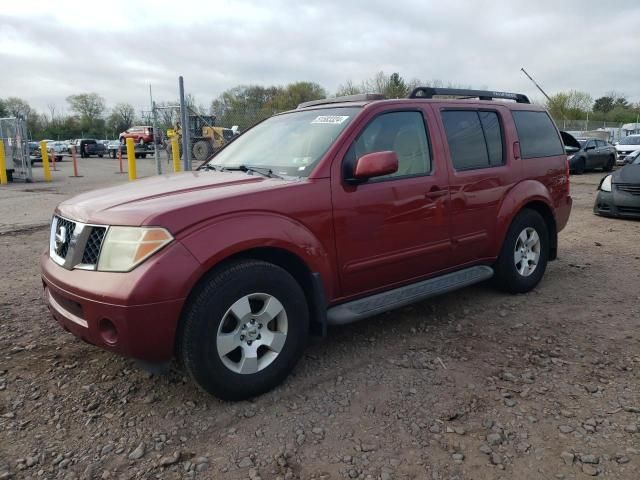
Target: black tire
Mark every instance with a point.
(100, 155)
(507, 277)
(144, 155)
(206, 310)
(113, 154)
(201, 150)
(609, 165)
(580, 167)
(141, 141)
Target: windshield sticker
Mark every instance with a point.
(330, 119)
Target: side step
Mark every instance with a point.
(399, 297)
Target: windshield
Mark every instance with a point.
(636, 158)
(289, 144)
(630, 140)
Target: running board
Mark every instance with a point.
(399, 297)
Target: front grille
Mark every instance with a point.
(632, 188)
(64, 232)
(92, 248)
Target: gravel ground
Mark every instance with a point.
(472, 385)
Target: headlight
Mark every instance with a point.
(124, 248)
(605, 185)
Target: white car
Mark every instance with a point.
(627, 146)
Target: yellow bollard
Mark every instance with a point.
(175, 151)
(45, 161)
(3, 165)
(131, 159)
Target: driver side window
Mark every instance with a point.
(401, 132)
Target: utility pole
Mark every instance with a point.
(154, 126)
(534, 82)
(184, 130)
(545, 94)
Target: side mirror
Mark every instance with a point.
(375, 164)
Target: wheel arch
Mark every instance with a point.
(310, 282)
(533, 195)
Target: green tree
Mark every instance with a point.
(17, 107)
(3, 109)
(89, 107)
(603, 104)
(572, 105)
(121, 118)
(348, 88)
(294, 94)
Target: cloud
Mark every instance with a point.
(70, 47)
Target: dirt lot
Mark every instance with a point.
(473, 385)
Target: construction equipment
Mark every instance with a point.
(206, 138)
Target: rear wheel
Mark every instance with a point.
(525, 251)
(100, 155)
(244, 330)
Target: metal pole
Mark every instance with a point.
(154, 125)
(186, 157)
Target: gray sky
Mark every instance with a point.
(50, 49)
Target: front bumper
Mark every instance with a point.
(617, 204)
(134, 314)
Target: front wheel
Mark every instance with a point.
(525, 251)
(609, 165)
(580, 167)
(244, 329)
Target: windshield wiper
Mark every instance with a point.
(264, 171)
(208, 166)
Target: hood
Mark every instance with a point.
(627, 148)
(627, 174)
(569, 140)
(172, 201)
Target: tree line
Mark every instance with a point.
(245, 105)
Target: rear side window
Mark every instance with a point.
(538, 136)
(474, 137)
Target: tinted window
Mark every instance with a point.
(401, 132)
(537, 134)
(492, 135)
(475, 139)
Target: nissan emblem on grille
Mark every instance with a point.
(61, 238)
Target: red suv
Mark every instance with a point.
(339, 210)
(140, 134)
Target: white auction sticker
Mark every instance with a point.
(330, 119)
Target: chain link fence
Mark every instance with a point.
(611, 131)
(18, 151)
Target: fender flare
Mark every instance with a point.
(249, 230)
(522, 194)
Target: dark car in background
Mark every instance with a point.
(593, 153)
(619, 192)
(90, 146)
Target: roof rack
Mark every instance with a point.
(361, 97)
(430, 92)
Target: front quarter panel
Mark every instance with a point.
(226, 236)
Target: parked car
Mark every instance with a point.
(90, 146)
(619, 192)
(339, 210)
(35, 154)
(628, 159)
(140, 134)
(627, 146)
(593, 153)
(57, 148)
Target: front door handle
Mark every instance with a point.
(435, 193)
